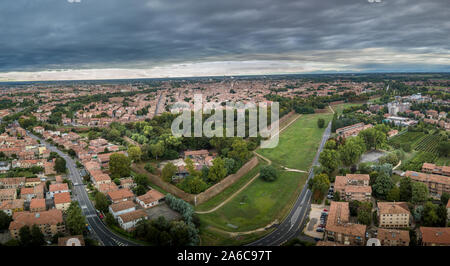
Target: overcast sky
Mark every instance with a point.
(102, 39)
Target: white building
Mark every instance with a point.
(120, 208)
(129, 220)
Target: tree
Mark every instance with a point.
(217, 171)
(353, 207)
(119, 165)
(337, 196)
(72, 153)
(110, 220)
(393, 194)
(268, 173)
(373, 138)
(5, 220)
(329, 160)
(25, 237)
(320, 122)
(75, 220)
(149, 168)
(383, 184)
(444, 149)
(60, 165)
(419, 192)
(157, 150)
(230, 165)
(239, 151)
(37, 237)
(191, 168)
(135, 153)
(330, 144)
(101, 202)
(351, 151)
(320, 184)
(444, 198)
(142, 180)
(430, 216)
(168, 171)
(405, 189)
(140, 190)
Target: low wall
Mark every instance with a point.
(205, 195)
(226, 182)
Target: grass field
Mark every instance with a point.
(443, 161)
(340, 108)
(259, 204)
(298, 144)
(230, 190)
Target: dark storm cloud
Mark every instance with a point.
(56, 34)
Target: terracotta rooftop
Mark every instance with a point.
(393, 208)
(151, 196)
(132, 216)
(37, 204)
(116, 207)
(120, 194)
(61, 198)
(393, 234)
(58, 187)
(437, 235)
(21, 219)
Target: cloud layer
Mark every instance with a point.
(202, 37)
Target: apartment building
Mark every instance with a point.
(11, 206)
(437, 184)
(435, 236)
(339, 229)
(393, 237)
(393, 214)
(38, 205)
(353, 187)
(62, 201)
(431, 168)
(8, 194)
(50, 222)
(353, 130)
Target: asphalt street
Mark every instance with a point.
(79, 193)
(294, 222)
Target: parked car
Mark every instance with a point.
(319, 230)
(367, 234)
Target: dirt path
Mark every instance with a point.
(234, 234)
(331, 109)
(230, 197)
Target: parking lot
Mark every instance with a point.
(162, 210)
(315, 222)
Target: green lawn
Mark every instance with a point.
(259, 204)
(298, 144)
(230, 190)
(340, 108)
(211, 237)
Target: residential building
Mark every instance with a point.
(37, 205)
(50, 222)
(352, 130)
(62, 201)
(353, 187)
(437, 184)
(129, 220)
(120, 208)
(150, 199)
(435, 236)
(8, 194)
(339, 229)
(393, 237)
(123, 194)
(12, 206)
(58, 188)
(431, 168)
(393, 214)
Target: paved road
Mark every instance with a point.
(79, 192)
(294, 222)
